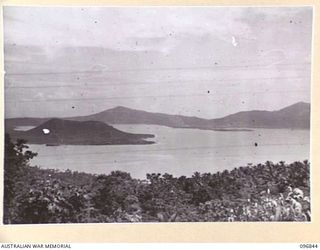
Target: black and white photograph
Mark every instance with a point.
(157, 114)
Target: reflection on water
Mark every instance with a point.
(23, 128)
(179, 151)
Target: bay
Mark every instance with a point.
(179, 151)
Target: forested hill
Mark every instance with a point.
(263, 192)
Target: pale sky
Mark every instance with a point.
(197, 61)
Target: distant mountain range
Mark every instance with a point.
(296, 116)
(56, 132)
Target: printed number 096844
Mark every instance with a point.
(308, 245)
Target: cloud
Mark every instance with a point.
(153, 51)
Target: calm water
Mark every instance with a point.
(179, 151)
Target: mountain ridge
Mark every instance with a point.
(295, 116)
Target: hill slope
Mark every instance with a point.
(79, 133)
(296, 116)
(123, 115)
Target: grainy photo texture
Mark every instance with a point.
(157, 114)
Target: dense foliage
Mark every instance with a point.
(263, 192)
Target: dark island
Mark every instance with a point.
(56, 132)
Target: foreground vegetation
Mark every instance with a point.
(263, 192)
